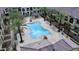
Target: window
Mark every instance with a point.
(23, 9)
(27, 9)
(6, 14)
(71, 20)
(77, 21)
(31, 8)
(0, 27)
(38, 11)
(34, 11)
(23, 13)
(66, 18)
(19, 9)
(27, 13)
(76, 29)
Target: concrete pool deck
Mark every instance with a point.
(53, 38)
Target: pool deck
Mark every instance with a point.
(53, 38)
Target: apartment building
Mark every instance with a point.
(1, 28)
(30, 11)
(71, 16)
(6, 36)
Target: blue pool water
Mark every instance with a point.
(36, 30)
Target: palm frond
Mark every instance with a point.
(15, 18)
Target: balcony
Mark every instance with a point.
(6, 32)
(7, 14)
(6, 21)
(7, 37)
(76, 29)
(6, 44)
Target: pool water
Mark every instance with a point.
(36, 30)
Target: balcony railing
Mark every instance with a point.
(7, 37)
(6, 32)
(6, 44)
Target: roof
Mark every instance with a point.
(62, 46)
(47, 46)
(38, 45)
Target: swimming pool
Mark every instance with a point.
(36, 30)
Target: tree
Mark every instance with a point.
(16, 21)
(44, 12)
(52, 13)
(67, 27)
(49, 14)
(60, 16)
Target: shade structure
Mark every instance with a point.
(38, 45)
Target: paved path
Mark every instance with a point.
(57, 40)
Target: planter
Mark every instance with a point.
(45, 38)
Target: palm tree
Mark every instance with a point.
(16, 21)
(49, 14)
(52, 13)
(55, 14)
(44, 12)
(60, 17)
(67, 27)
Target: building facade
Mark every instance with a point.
(6, 35)
(71, 16)
(30, 11)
